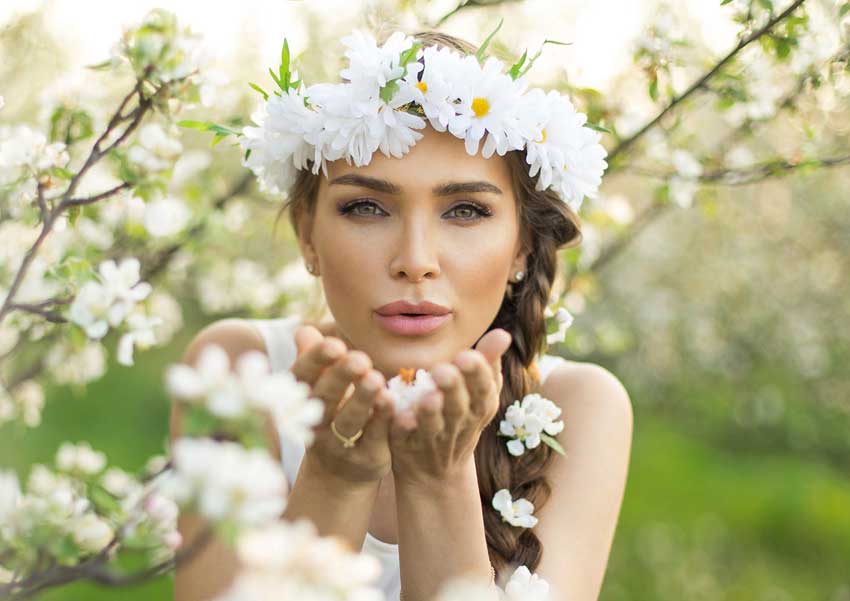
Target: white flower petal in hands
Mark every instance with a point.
(525, 421)
(406, 389)
(226, 481)
(516, 513)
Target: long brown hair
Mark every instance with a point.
(546, 224)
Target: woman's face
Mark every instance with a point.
(437, 225)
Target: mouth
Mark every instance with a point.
(412, 324)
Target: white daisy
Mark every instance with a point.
(433, 92)
(525, 586)
(371, 66)
(281, 142)
(489, 105)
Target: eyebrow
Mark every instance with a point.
(387, 187)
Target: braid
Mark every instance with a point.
(522, 315)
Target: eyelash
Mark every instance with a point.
(482, 212)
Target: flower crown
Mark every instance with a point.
(391, 91)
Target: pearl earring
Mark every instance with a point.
(519, 275)
(311, 268)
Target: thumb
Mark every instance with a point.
(493, 345)
(306, 337)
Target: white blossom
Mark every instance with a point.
(166, 216)
(288, 561)
(80, 459)
(154, 150)
(226, 481)
(91, 532)
(10, 494)
(525, 586)
(250, 386)
(564, 319)
(140, 333)
(516, 513)
(684, 184)
(525, 420)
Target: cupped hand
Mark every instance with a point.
(355, 398)
(435, 439)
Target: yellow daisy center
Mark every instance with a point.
(423, 87)
(543, 139)
(480, 106)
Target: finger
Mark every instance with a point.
(449, 380)
(334, 383)
(478, 377)
(318, 354)
(429, 415)
(353, 415)
(402, 427)
(382, 416)
(493, 345)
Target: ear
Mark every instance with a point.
(519, 263)
(305, 239)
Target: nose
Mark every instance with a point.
(416, 257)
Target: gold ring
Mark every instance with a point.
(346, 442)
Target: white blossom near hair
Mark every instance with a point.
(516, 513)
(289, 561)
(380, 104)
(251, 386)
(525, 586)
(225, 481)
(529, 421)
(564, 319)
(407, 389)
(79, 459)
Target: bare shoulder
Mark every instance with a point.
(234, 335)
(588, 389)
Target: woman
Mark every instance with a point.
(471, 241)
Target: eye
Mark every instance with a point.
(469, 211)
(352, 206)
(478, 211)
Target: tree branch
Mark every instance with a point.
(702, 81)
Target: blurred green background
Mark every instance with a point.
(727, 323)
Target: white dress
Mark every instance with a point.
(278, 335)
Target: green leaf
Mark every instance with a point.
(596, 127)
(100, 66)
(552, 443)
(199, 125)
(480, 54)
(844, 10)
(725, 2)
(653, 88)
(260, 90)
(247, 153)
(537, 54)
(73, 214)
(514, 70)
(276, 79)
(283, 70)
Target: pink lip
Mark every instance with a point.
(412, 326)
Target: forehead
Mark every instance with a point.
(437, 157)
